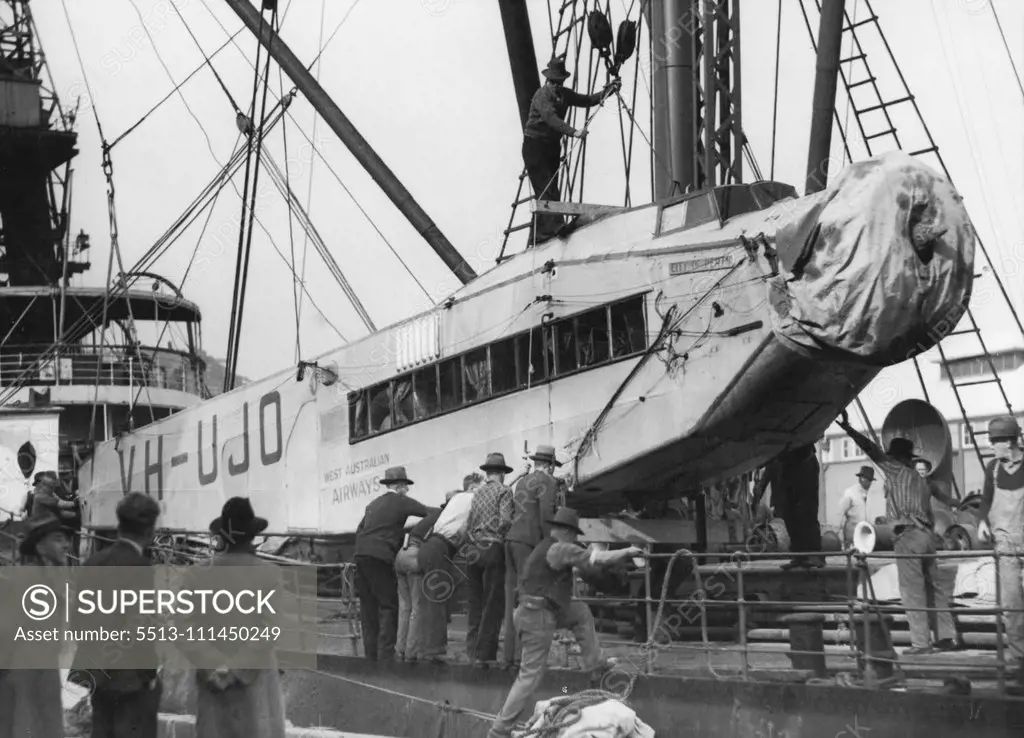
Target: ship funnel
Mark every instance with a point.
(924, 425)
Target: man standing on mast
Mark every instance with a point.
(542, 142)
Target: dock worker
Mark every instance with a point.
(542, 142)
(125, 702)
(794, 476)
(909, 511)
(924, 467)
(489, 519)
(546, 604)
(853, 505)
(1001, 517)
(378, 538)
(436, 563)
(534, 503)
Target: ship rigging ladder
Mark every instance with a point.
(856, 74)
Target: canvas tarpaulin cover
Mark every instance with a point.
(878, 267)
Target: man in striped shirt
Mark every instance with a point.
(909, 511)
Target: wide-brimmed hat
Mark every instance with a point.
(238, 520)
(902, 447)
(566, 517)
(38, 529)
(395, 475)
(546, 454)
(556, 69)
(1003, 428)
(496, 462)
(867, 472)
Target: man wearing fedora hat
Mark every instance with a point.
(489, 518)
(1001, 517)
(542, 142)
(534, 502)
(546, 604)
(853, 505)
(378, 539)
(908, 509)
(125, 702)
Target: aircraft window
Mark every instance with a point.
(549, 350)
(357, 427)
(628, 334)
(503, 366)
(425, 402)
(566, 336)
(530, 352)
(403, 400)
(592, 335)
(735, 200)
(475, 372)
(451, 384)
(380, 408)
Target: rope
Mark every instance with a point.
(171, 94)
(309, 187)
(1009, 54)
(245, 230)
(775, 101)
(207, 62)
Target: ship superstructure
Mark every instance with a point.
(78, 364)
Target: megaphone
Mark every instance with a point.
(868, 537)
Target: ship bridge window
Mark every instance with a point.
(628, 333)
(451, 384)
(380, 408)
(503, 366)
(425, 401)
(404, 400)
(592, 337)
(476, 375)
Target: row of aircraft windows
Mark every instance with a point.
(598, 336)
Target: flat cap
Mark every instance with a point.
(138, 508)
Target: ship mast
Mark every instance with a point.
(695, 81)
(826, 80)
(360, 148)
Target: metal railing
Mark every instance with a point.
(109, 366)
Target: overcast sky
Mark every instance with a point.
(427, 83)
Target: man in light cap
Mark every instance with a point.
(125, 702)
(908, 508)
(1001, 517)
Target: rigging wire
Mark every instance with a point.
(775, 102)
(111, 212)
(142, 22)
(337, 177)
(177, 87)
(229, 376)
(316, 120)
(291, 232)
(1009, 54)
(234, 105)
